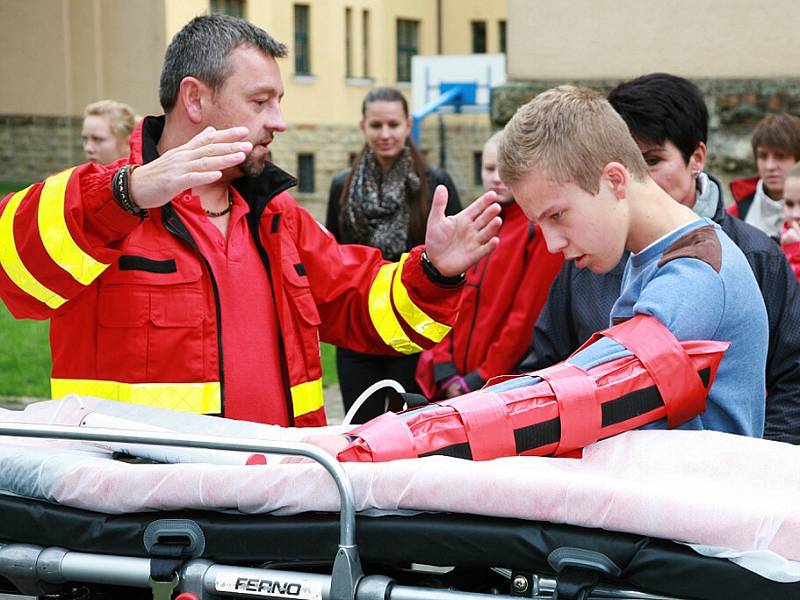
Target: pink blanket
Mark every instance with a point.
(697, 487)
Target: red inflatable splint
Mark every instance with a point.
(571, 408)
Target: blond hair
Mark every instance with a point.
(571, 134)
(121, 117)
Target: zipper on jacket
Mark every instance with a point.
(173, 224)
(262, 252)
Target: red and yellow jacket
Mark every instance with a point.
(134, 309)
(503, 295)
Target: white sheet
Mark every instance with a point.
(702, 488)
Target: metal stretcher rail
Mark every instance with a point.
(346, 567)
(209, 581)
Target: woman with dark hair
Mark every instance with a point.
(383, 201)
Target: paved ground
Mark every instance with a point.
(333, 404)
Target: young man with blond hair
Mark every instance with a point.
(573, 167)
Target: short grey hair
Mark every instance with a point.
(202, 48)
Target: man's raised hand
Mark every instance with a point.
(198, 162)
(457, 242)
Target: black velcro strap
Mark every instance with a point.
(398, 401)
(129, 262)
(637, 402)
(300, 269)
(454, 451)
(538, 435)
(276, 223)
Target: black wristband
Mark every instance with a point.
(121, 192)
(436, 277)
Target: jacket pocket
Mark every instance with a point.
(153, 332)
(298, 288)
(302, 331)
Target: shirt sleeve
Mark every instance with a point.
(671, 297)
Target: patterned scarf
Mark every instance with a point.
(376, 211)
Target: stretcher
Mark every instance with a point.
(638, 516)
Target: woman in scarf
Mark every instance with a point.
(383, 201)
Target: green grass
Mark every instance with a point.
(329, 375)
(5, 188)
(24, 356)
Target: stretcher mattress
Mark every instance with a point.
(695, 487)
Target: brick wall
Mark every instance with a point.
(32, 147)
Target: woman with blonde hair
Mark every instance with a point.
(107, 128)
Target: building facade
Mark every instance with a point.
(59, 55)
(741, 54)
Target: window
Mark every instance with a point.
(478, 37)
(477, 167)
(234, 8)
(305, 173)
(501, 25)
(302, 50)
(365, 41)
(348, 42)
(407, 35)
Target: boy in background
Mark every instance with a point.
(776, 148)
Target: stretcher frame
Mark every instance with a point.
(37, 570)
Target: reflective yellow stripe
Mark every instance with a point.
(382, 314)
(200, 398)
(307, 397)
(56, 236)
(413, 314)
(11, 262)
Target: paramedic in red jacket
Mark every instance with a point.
(186, 277)
(503, 295)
